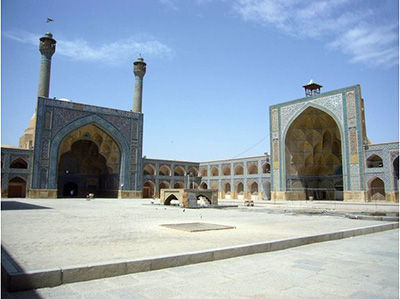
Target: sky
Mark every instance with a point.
(213, 66)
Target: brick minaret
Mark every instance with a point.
(47, 47)
(139, 69)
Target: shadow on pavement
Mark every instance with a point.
(8, 263)
(16, 205)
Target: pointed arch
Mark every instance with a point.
(239, 170)
(203, 186)
(164, 185)
(164, 170)
(194, 171)
(19, 163)
(266, 168)
(214, 171)
(148, 189)
(204, 172)
(105, 126)
(374, 161)
(376, 189)
(149, 169)
(179, 171)
(17, 187)
(226, 171)
(316, 158)
(252, 169)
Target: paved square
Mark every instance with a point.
(197, 226)
(70, 232)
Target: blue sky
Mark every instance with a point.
(214, 66)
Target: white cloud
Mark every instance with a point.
(376, 45)
(335, 20)
(111, 53)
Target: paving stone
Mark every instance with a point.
(372, 266)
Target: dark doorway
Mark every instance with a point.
(84, 170)
(17, 188)
(70, 190)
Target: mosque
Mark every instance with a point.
(319, 150)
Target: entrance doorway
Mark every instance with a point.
(70, 190)
(17, 188)
(89, 162)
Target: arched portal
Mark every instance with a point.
(179, 185)
(149, 170)
(266, 168)
(203, 186)
(239, 170)
(148, 189)
(214, 171)
(17, 188)
(313, 155)
(70, 190)
(179, 171)
(172, 199)
(376, 189)
(164, 170)
(89, 159)
(226, 171)
(240, 190)
(226, 189)
(252, 169)
(194, 171)
(266, 190)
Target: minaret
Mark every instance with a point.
(47, 47)
(139, 69)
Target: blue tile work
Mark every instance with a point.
(8, 156)
(56, 119)
(388, 152)
(170, 179)
(350, 121)
(246, 179)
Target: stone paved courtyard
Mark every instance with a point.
(42, 234)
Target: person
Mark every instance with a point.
(72, 192)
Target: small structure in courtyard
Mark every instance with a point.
(190, 198)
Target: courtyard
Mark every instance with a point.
(97, 238)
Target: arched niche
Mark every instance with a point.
(179, 171)
(252, 169)
(149, 169)
(164, 170)
(214, 171)
(376, 189)
(239, 170)
(313, 154)
(17, 187)
(194, 171)
(374, 161)
(203, 186)
(266, 168)
(148, 189)
(90, 159)
(164, 185)
(19, 163)
(226, 171)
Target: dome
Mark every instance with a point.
(32, 125)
